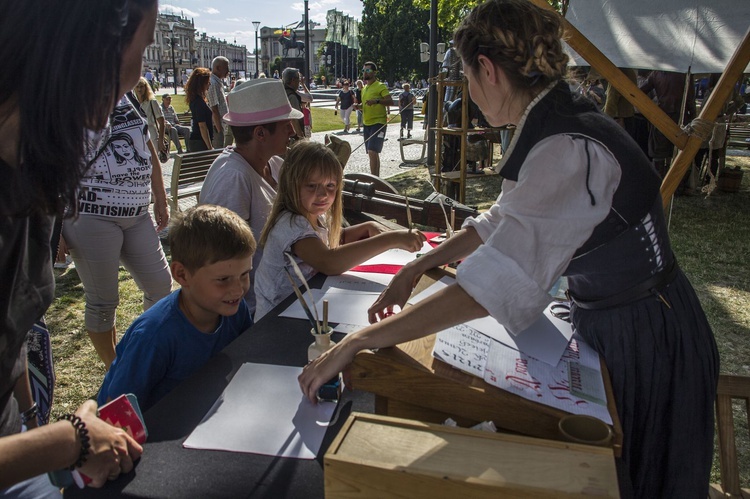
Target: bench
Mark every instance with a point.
(188, 173)
(184, 119)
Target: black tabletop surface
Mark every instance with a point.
(166, 469)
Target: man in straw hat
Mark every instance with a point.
(243, 178)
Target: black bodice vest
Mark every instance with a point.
(631, 244)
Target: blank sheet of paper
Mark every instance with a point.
(370, 282)
(349, 307)
(262, 411)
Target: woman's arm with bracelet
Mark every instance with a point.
(109, 450)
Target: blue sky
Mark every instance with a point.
(232, 19)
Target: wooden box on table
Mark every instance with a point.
(408, 382)
(379, 456)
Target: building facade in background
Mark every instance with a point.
(333, 50)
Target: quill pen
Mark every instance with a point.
(302, 279)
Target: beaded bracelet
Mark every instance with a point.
(83, 434)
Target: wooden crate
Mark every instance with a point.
(379, 456)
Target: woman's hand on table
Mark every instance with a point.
(112, 450)
(397, 293)
(325, 367)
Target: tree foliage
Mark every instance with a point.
(390, 33)
(391, 30)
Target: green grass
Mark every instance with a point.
(709, 237)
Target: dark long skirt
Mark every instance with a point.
(664, 367)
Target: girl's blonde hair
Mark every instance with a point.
(147, 93)
(304, 159)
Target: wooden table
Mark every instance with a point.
(408, 382)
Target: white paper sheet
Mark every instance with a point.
(545, 340)
(358, 281)
(262, 411)
(518, 373)
(349, 307)
(397, 256)
(464, 348)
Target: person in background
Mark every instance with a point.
(618, 107)
(307, 118)
(154, 115)
(243, 178)
(149, 77)
(641, 315)
(668, 87)
(358, 104)
(345, 98)
(375, 97)
(174, 129)
(40, 179)
(290, 77)
(222, 136)
(406, 103)
(114, 225)
(196, 89)
(212, 253)
(306, 221)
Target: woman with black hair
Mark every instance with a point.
(43, 143)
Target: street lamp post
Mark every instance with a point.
(307, 44)
(174, 66)
(257, 25)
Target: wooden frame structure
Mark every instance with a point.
(688, 144)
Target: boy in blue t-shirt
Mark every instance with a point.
(212, 250)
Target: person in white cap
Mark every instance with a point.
(244, 177)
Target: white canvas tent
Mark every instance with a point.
(669, 35)
(665, 17)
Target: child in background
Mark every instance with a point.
(212, 250)
(306, 221)
(307, 118)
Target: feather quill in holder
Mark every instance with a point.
(301, 277)
(448, 228)
(301, 300)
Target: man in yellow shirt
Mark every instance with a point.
(375, 98)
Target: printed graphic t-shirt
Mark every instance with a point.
(118, 181)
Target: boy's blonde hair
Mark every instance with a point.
(207, 234)
(303, 160)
